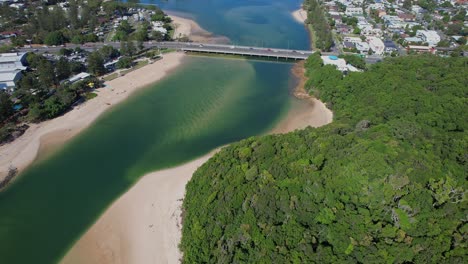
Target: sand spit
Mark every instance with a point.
(24, 150)
(300, 15)
(144, 225)
(193, 31)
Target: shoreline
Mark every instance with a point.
(144, 224)
(188, 28)
(300, 15)
(42, 138)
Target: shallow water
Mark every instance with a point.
(206, 103)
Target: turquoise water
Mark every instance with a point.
(266, 23)
(206, 103)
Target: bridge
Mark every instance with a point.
(249, 51)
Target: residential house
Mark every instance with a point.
(11, 66)
(429, 36)
(376, 45)
(354, 11)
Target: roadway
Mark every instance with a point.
(189, 46)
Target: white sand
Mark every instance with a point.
(189, 28)
(24, 150)
(300, 15)
(143, 225)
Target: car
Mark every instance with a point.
(232, 47)
(294, 51)
(201, 45)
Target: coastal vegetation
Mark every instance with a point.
(384, 183)
(318, 24)
(75, 21)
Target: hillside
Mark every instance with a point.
(385, 182)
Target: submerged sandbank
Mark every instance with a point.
(144, 224)
(24, 150)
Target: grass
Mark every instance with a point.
(136, 67)
(90, 95)
(111, 77)
(312, 36)
(163, 51)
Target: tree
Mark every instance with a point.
(124, 62)
(54, 38)
(127, 48)
(6, 106)
(109, 52)
(62, 69)
(96, 63)
(46, 74)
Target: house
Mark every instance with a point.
(339, 63)
(11, 66)
(354, 11)
(429, 36)
(421, 49)
(390, 46)
(348, 45)
(344, 29)
(376, 45)
(406, 17)
(79, 77)
(362, 47)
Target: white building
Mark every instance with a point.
(376, 45)
(339, 63)
(11, 65)
(353, 11)
(362, 47)
(429, 36)
(333, 60)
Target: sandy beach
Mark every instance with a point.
(189, 28)
(144, 225)
(24, 150)
(300, 15)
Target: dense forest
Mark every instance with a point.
(384, 183)
(320, 28)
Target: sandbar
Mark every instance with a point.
(24, 150)
(300, 15)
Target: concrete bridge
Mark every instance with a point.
(237, 50)
(192, 47)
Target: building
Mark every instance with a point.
(429, 36)
(390, 46)
(333, 60)
(354, 11)
(376, 45)
(11, 66)
(79, 77)
(339, 63)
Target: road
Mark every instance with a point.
(190, 46)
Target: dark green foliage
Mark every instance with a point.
(96, 63)
(354, 60)
(6, 106)
(384, 183)
(124, 62)
(323, 37)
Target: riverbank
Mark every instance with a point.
(144, 224)
(52, 133)
(300, 15)
(188, 28)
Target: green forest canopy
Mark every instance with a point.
(384, 183)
